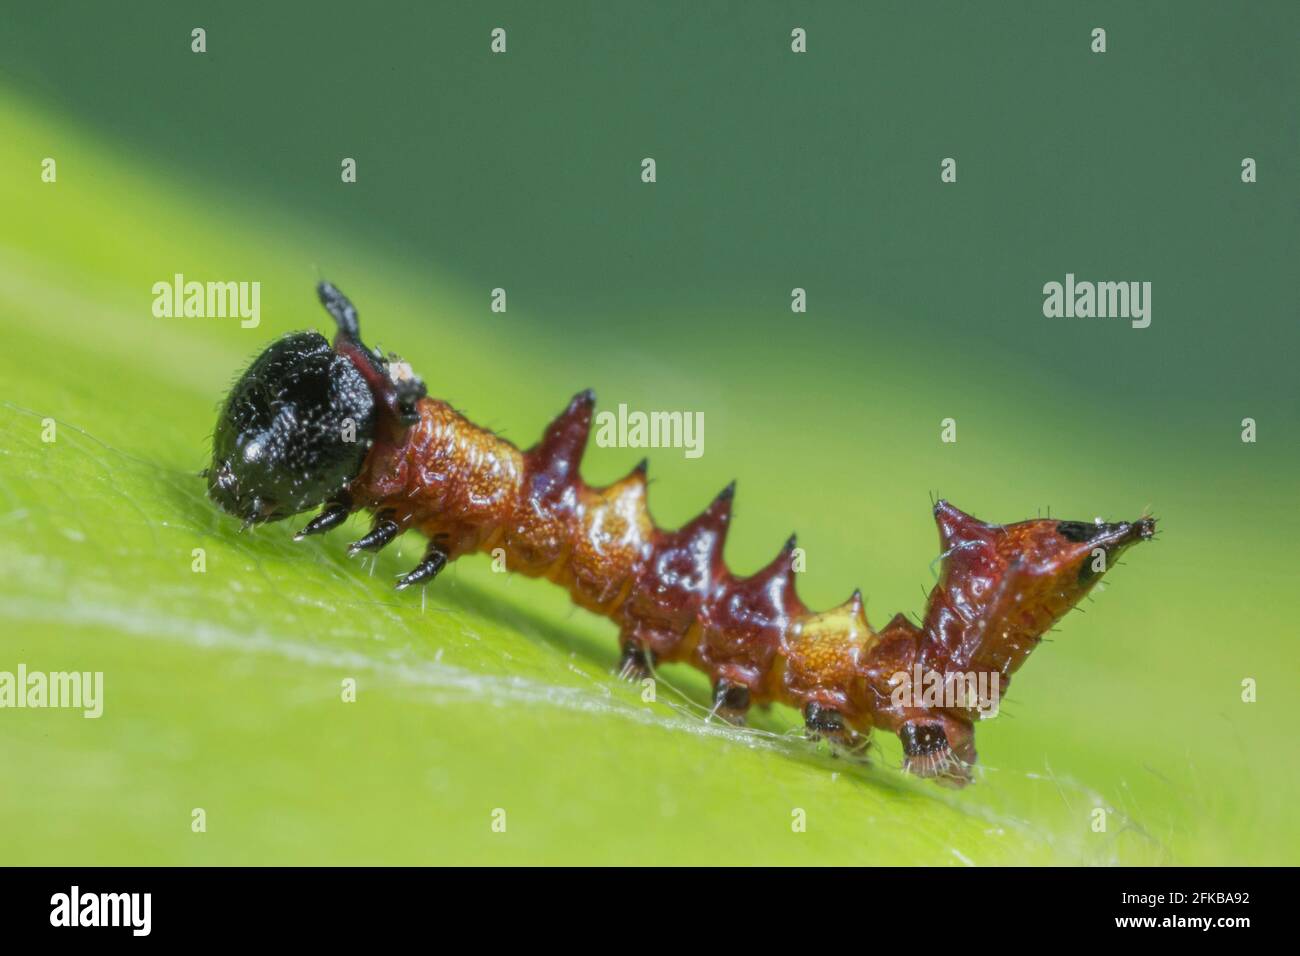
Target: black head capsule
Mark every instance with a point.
(294, 431)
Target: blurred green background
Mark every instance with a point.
(775, 170)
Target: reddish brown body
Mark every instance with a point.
(674, 599)
(350, 428)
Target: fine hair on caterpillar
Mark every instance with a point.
(345, 427)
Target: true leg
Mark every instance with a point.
(384, 530)
(332, 515)
(434, 560)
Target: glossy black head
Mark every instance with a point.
(294, 431)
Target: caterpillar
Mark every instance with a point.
(348, 428)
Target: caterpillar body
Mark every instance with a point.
(345, 427)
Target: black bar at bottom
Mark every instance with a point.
(337, 905)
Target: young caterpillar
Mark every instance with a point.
(343, 426)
